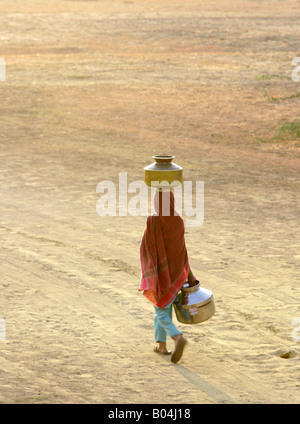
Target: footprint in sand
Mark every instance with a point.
(285, 354)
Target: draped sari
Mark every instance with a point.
(163, 255)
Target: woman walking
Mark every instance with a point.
(165, 268)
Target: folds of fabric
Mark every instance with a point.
(163, 255)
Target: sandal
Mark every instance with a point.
(177, 354)
(156, 350)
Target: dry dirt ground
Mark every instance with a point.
(94, 88)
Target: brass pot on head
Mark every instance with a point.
(163, 172)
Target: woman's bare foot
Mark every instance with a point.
(162, 348)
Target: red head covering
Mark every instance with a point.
(163, 254)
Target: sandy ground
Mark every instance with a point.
(94, 88)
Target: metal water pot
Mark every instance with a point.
(163, 172)
(194, 304)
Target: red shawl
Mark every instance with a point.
(164, 260)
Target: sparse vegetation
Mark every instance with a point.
(278, 99)
(289, 130)
(285, 131)
(270, 76)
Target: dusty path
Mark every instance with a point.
(94, 89)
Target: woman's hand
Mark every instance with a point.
(192, 280)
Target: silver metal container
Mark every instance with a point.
(194, 304)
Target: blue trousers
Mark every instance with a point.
(163, 324)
